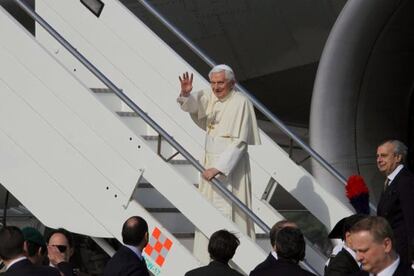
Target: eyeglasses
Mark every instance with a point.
(61, 248)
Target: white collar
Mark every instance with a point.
(15, 261)
(353, 254)
(135, 250)
(392, 175)
(350, 251)
(274, 254)
(389, 270)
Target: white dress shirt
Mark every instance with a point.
(392, 175)
(389, 271)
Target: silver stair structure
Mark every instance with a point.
(136, 66)
(89, 162)
(147, 71)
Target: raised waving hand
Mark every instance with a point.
(186, 82)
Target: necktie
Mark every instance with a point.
(386, 183)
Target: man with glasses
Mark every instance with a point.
(60, 249)
(13, 256)
(228, 119)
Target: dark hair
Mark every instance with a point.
(11, 242)
(134, 230)
(33, 248)
(290, 244)
(68, 235)
(378, 227)
(222, 246)
(276, 228)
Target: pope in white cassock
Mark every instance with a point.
(228, 119)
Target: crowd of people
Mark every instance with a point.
(379, 245)
(26, 252)
(368, 249)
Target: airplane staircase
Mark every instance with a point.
(71, 137)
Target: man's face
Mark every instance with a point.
(387, 160)
(371, 254)
(59, 240)
(220, 86)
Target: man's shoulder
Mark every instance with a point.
(404, 269)
(282, 267)
(47, 270)
(344, 255)
(213, 269)
(268, 262)
(123, 252)
(125, 262)
(404, 179)
(405, 173)
(240, 97)
(342, 263)
(25, 267)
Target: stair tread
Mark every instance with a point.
(162, 210)
(101, 90)
(147, 185)
(150, 137)
(127, 114)
(190, 235)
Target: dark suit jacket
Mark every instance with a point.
(214, 268)
(282, 267)
(66, 268)
(126, 263)
(267, 263)
(397, 206)
(403, 269)
(342, 264)
(26, 268)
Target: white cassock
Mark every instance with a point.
(230, 126)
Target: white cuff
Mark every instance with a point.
(188, 104)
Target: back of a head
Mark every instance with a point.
(290, 244)
(134, 230)
(34, 240)
(11, 243)
(276, 228)
(378, 227)
(222, 246)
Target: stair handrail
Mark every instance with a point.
(131, 104)
(140, 112)
(263, 109)
(273, 118)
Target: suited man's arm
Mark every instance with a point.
(406, 195)
(338, 266)
(137, 271)
(65, 268)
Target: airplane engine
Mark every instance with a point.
(362, 92)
